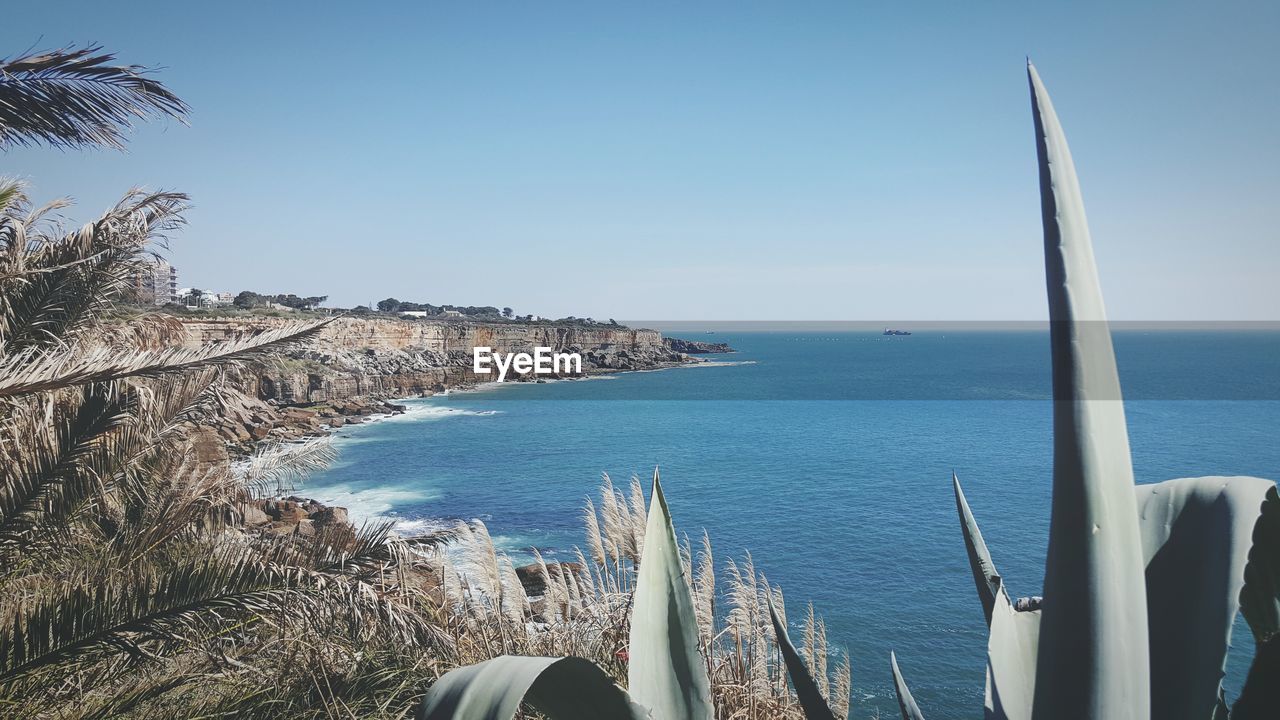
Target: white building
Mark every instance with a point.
(156, 283)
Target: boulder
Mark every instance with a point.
(531, 575)
(327, 516)
(254, 515)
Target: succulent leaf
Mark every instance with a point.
(985, 575)
(815, 706)
(906, 703)
(1093, 658)
(1198, 536)
(567, 688)
(666, 672)
(1011, 660)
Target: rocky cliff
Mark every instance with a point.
(387, 357)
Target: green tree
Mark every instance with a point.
(248, 300)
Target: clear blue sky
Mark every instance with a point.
(735, 160)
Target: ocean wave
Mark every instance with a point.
(420, 526)
(367, 505)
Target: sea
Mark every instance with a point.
(827, 455)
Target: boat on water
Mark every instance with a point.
(891, 331)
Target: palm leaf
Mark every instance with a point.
(42, 371)
(56, 456)
(139, 615)
(56, 287)
(77, 97)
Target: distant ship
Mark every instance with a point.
(890, 331)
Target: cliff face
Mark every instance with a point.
(387, 357)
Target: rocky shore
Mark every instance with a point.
(694, 347)
(350, 370)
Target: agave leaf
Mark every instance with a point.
(1260, 598)
(1197, 534)
(906, 703)
(1261, 693)
(1093, 633)
(1011, 660)
(815, 706)
(567, 688)
(666, 673)
(985, 575)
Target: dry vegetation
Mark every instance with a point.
(585, 608)
(129, 585)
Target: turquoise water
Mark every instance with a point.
(845, 501)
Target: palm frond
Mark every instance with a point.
(76, 97)
(41, 371)
(142, 614)
(274, 467)
(55, 456)
(12, 192)
(56, 286)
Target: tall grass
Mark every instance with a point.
(584, 609)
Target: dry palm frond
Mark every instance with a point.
(148, 332)
(76, 97)
(90, 455)
(40, 371)
(56, 456)
(276, 467)
(81, 273)
(12, 194)
(133, 696)
(141, 614)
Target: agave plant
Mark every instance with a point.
(1142, 583)
(667, 676)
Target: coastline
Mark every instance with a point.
(415, 409)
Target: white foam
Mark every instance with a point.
(366, 505)
(421, 526)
